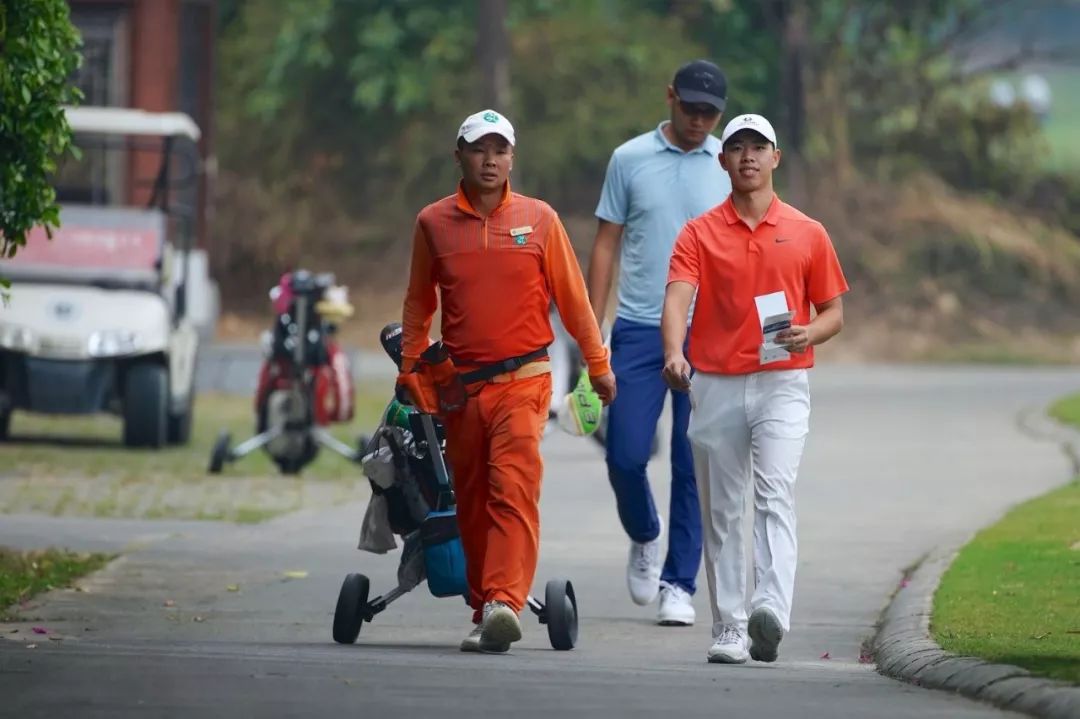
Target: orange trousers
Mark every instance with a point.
(493, 447)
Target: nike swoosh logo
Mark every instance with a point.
(784, 239)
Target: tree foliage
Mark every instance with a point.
(878, 78)
(39, 51)
(338, 117)
(373, 91)
(365, 94)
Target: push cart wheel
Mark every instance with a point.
(220, 452)
(560, 609)
(289, 466)
(348, 616)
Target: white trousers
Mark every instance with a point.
(743, 428)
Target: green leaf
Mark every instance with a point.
(41, 51)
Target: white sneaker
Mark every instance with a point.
(500, 628)
(729, 647)
(643, 569)
(676, 609)
(471, 643)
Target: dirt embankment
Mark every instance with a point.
(936, 275)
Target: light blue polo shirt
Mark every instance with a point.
(653, 188)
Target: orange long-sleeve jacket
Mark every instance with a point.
(496, 277)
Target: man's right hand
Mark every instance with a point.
(604, 386)
(676, 373)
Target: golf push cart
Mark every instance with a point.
(413, 498)
(305, 383)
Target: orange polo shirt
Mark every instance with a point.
(730, 265)
(496, 277)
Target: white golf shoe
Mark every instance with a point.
(676, 609)
(643, 569)
(729, 646)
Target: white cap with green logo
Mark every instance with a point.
(483, 123)
(581, 410)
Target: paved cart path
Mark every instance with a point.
(207, 619)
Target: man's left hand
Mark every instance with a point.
(795, 339)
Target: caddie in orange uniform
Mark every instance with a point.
(755, 263)
(497, 259)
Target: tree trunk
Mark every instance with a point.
(830, 107)
(794, 56)
(493, 55)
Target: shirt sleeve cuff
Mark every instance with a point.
(682, 277)
(609, 217)
(600, 367)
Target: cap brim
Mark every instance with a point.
(750, 130)
(697, 96)
(475, 135)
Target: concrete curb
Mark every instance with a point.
(904, 649)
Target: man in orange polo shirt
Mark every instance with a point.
(497, 259)
(750, 257)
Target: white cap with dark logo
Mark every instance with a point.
(483, 123)
(756, 123)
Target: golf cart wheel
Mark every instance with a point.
(219, 453)
(348, 615)
(146, 397)
(560, 610)
(178, 430)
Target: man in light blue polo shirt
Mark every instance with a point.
(655, 183)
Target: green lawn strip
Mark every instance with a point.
(90, 445)
(1067, 410)
(24, 574)
(1064, 114)
(1013, 593)
(77, 466)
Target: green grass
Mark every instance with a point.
(90, 445)
(24, 574)
(1013, 593)
(1061, 129)
(1067, 410)
(77, 465)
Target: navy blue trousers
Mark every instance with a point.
(637, 357)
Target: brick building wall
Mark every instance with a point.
(154, 55)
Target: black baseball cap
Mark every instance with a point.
(701, 81)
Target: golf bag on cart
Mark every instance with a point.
(305, 382)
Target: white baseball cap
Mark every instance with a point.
(483, 123)
(757, 123)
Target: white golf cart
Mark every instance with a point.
(98, 317)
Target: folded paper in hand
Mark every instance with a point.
(775, 318)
